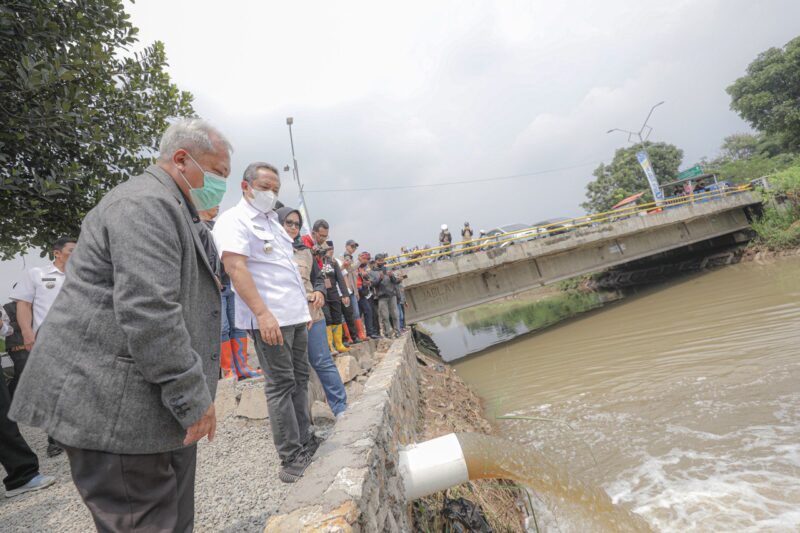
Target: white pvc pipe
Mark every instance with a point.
(432, 466)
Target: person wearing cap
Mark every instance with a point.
(348, 322)
(445, 239)
(386, 282)
(466, 235)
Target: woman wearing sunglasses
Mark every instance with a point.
(318, 353)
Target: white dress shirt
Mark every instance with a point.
(246, 231)
(39, 286)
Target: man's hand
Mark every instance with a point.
(269, 328)
(28, 338)
(318, 300)
(205, 426)
(346, 301)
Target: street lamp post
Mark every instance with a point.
(646, 163)
(295, 171)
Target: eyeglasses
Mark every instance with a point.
(291, 224)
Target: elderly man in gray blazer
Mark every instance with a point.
(124, 369)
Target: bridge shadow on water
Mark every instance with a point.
(470, 332)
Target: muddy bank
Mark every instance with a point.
(448, 405)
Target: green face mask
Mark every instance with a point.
(211, 193)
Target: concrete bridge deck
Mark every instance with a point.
(470, 279)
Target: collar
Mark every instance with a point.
(164, 177)
(190, 207)
(53, 269)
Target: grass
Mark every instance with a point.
(779, 226)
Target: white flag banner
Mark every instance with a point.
(644, 161)
(306, 229)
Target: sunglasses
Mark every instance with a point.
(291, 224)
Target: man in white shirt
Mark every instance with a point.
(271, 305)
(34, 295)
(38, 289)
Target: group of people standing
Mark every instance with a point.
(160, 298)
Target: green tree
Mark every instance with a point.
(624, 176)
(768, 96)
(79, 112)
(747, 156)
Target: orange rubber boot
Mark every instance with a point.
(347, 335)
(362, 333)
(243, 370)
(226, 359)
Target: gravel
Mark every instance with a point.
(237, 485)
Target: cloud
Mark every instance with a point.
(426, 92)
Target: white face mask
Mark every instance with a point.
(264, 201)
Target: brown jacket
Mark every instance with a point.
(312, 278)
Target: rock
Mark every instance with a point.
(253, 404)
(321, 412)
(225, 402)
(361, 379)
(354, 389)
(348, 367)
(366, 363)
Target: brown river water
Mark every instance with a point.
(682, 402)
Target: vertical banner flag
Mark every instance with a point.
(301, 206)
(651, 176)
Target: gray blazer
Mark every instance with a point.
(128, 356)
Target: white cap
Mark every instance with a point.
(444, 226)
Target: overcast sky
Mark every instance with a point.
(415, 93)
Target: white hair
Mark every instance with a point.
(194, 135)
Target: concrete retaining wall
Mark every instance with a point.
(353, 483)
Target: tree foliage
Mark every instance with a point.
(624, 176)
(768, 96)
(747, 156)
(79, 112)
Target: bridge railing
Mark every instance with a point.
(562, 226)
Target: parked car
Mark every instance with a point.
(525, 233)
(553, 226)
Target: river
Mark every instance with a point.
(682, 402)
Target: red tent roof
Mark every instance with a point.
(628, 200)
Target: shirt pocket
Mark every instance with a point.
(262, 243)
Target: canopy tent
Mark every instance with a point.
(628, 200)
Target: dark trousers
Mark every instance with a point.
(20, 462)
(332, 311)
(286, 372)
(365, 306)
(19, 358)
(349, 318)
(148, 493)
(376, 323)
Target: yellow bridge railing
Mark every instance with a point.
(562, 226)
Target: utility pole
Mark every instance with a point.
(645, 161)
(295, 171)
